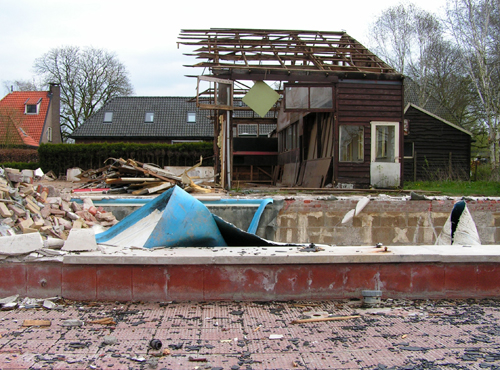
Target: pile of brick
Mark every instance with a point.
(29, 208)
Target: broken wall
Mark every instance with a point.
(391, 222)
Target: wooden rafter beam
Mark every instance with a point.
(281, 49)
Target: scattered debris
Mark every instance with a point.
(311, 248)
(336, 318)
(29, 322)
(276, 336)
(155, 344)
(129, 176)
(104, 321)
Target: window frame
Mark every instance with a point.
(360, 141)
(309, 86)
(189, 114)
(151, 114)
(412, 149)
(27, 110)
(106, 114)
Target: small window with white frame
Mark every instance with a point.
(30, 108)
(191, 117)
(351, 143)
(149, 117)
(108, 117)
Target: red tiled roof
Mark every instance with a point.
(31, 124)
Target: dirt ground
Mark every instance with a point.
(60, 185)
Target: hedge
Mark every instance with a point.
(60, 157)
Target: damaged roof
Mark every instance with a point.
(294, 52)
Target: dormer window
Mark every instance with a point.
(32, 107)
(149, 118)
(191, 117)
(108, 117)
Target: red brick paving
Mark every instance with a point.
(454, 334)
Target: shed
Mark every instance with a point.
(434, 148)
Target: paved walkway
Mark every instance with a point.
(239, 335)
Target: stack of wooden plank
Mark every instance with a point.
(136, 178)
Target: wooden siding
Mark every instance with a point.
(360, 104)
(442, 151)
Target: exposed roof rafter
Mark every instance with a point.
(281, 50)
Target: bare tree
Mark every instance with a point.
(22, 85)
(88, 78)
(404, 36)
(474, 25)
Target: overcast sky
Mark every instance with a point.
(144, 34)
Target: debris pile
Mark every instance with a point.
(26, 208)
(136, 178)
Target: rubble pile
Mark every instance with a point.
(27, 208)
(136, 178)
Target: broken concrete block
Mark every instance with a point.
(20, 244)
(80, 240)
(76, 207)
(25, 224)
(72, 216)
(79, 223)
(53, 200)
(72, 173)
(87, 204)
(57, 212)
(65, 223)
(65, 206)
(53, 243)
(17, 211)
(32, 205)
(26, 189)
(38, 224)
(15, 177)
(45, 211)
(4, 211)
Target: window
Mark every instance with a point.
(409, 150)
(149, 118)
(385, 143)
(191, 117)
(351, 143)
(309, 98)
(31, 109)
(108, 117)
(49, 134)
(247, 130)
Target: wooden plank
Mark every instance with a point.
(315, 172)
(29, 322)
(319, 319)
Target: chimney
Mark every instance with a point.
(55, 106)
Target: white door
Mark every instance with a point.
(385, 169)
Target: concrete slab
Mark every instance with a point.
(290, 255)
(80, 240)
(20, 244)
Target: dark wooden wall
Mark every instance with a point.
(442, 151)
(361, 102)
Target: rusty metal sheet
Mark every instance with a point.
(315, 172)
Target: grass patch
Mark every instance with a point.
(457, 188)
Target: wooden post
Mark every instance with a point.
(450, 169)
(414, 166)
